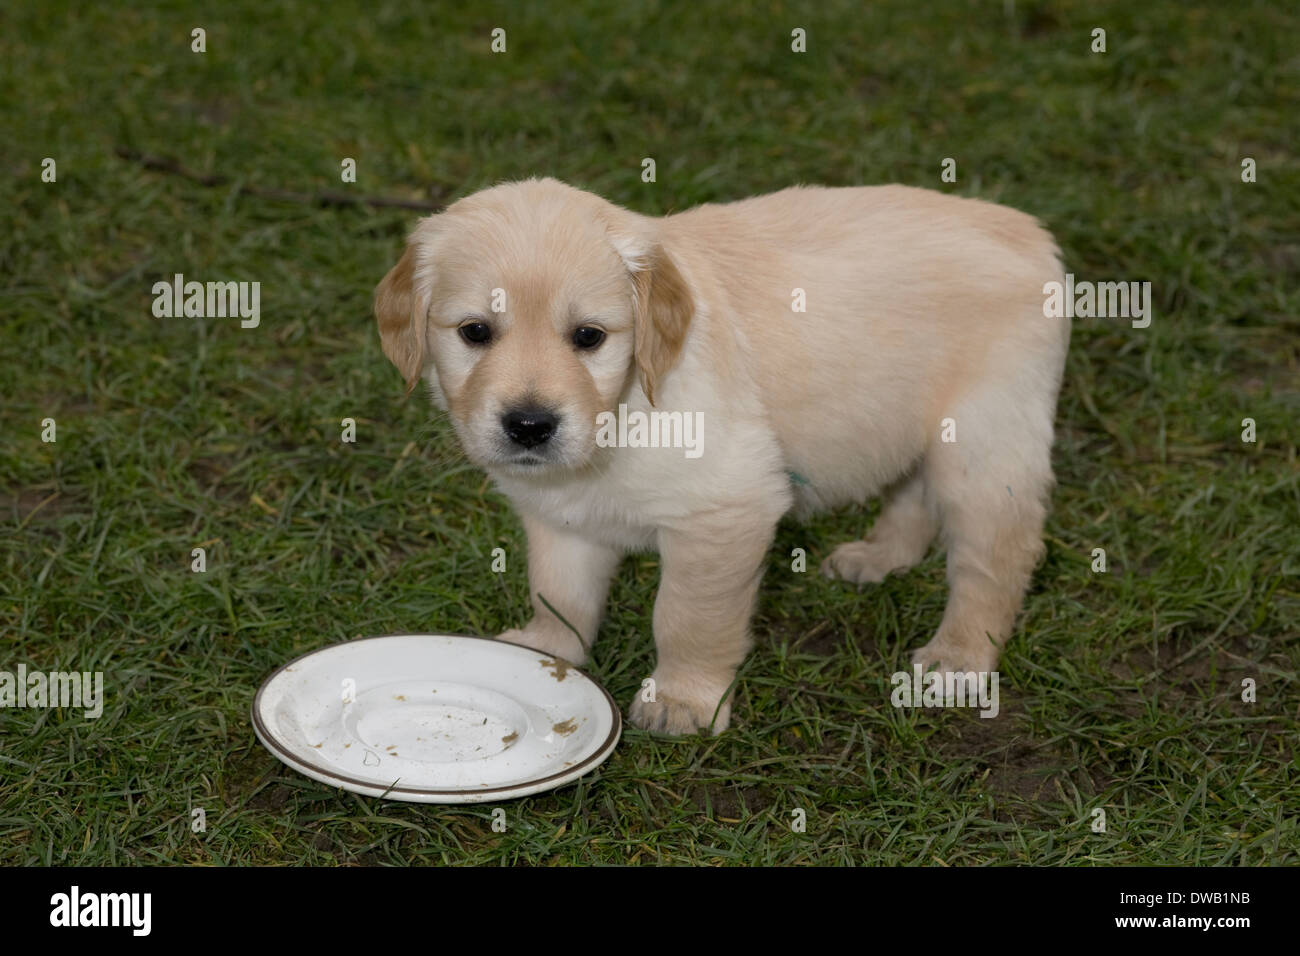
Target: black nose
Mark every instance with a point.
(529, 427)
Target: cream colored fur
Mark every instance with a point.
(921, 307)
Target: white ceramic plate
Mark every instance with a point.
(436, 718)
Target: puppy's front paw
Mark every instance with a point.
(946, 655)
(678, 712)
(557, 643)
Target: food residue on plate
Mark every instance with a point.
(559, 667)
(565, 728)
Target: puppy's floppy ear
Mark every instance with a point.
(400, 309)
(663, 314)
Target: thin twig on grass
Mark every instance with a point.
(165, 164)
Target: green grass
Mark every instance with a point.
(1120, 691)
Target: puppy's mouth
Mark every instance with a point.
(527, 460)
(531, 465)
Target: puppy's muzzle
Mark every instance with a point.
(529, 427)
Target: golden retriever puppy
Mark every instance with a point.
(801, 350)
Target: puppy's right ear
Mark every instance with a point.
(401, 310)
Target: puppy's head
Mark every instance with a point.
(530, 308)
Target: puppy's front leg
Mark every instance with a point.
(709, 580)
(572, 574)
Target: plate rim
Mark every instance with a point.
(292, 760)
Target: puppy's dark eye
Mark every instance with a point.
(476, 333)
(587, 337)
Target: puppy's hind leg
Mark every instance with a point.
(898, 540)
(991, 486)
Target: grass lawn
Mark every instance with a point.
(1121, 691)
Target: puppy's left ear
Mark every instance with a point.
(664, 308)
(401, 326)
